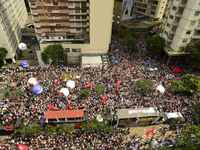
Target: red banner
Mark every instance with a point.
(69, 106)
(118, 83)
(150, 131)
(22, 147)
(51, 107)
(104, 99)
(89, 84)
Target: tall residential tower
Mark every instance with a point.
(13, 16)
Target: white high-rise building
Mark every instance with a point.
(181, 25)
(13, 15)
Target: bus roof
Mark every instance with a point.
(134, 113)
(64, 114)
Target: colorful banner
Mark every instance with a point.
(127, 9)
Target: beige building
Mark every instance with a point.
(181, 26)
(13, 15)
(81, 26)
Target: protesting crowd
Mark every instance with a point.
(118, 80)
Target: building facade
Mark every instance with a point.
(13, 15)
(153, 8)
(181, 26)
(147, 16)
(81, 26)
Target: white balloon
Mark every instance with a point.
(160, 89)
(64, 92)
(32, 81)
(71, 84)
(99, 118)
(22, 46)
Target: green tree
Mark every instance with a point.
(53, 52)
(65, 130)
(128, 38)
(14, 93)
(93, 125)
(197, 113)
(192, 136)
(143, 86)
(3, 53)
(194, 58)
(85, 92)
(29, 130)
(99, 89)
(189, 84)
(155, 44)
(50, 129)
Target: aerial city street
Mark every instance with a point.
(74, 76)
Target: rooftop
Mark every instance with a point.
(145, 23)
(64, 114)
(171, 52)
(134, 113)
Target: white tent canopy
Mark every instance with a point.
(93, 61)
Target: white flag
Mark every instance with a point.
(122, 100)
(138, 118)
(46, 120)
(65, 119)
(57, 119)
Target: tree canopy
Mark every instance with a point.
(194, 58)
(30, 130)
(65, 130)
(188, 84)
(53, 52)
(143, 86)
(155, 44)
(3, 53)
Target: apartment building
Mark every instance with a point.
(181, 26)
(147, 15)
(81, 26)
(153, 8)
(13, 16)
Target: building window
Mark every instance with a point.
(197, 13)
(58, 24)
(71, 17)
(78, 29)
(74, 50)
(67, 49)
(166, 33)
(49, 10)
(184, 40)
(83, 5)
(70, 4)
(77, 5)
(188, 32)
(71, 11)
(84, 17)
(171, 17)
(168, 25)
(77, 11)
(48, 4)
(55, 3)
(78, 17)
(192, 23)
(174, 8)
(84, 11)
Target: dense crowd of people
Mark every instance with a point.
(128, 70)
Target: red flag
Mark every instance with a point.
(70, 108)
(104, 99)
(150, 131)
(89, 84)
(118, 83)
(56, 82)
(51, 107)
(22, 147)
